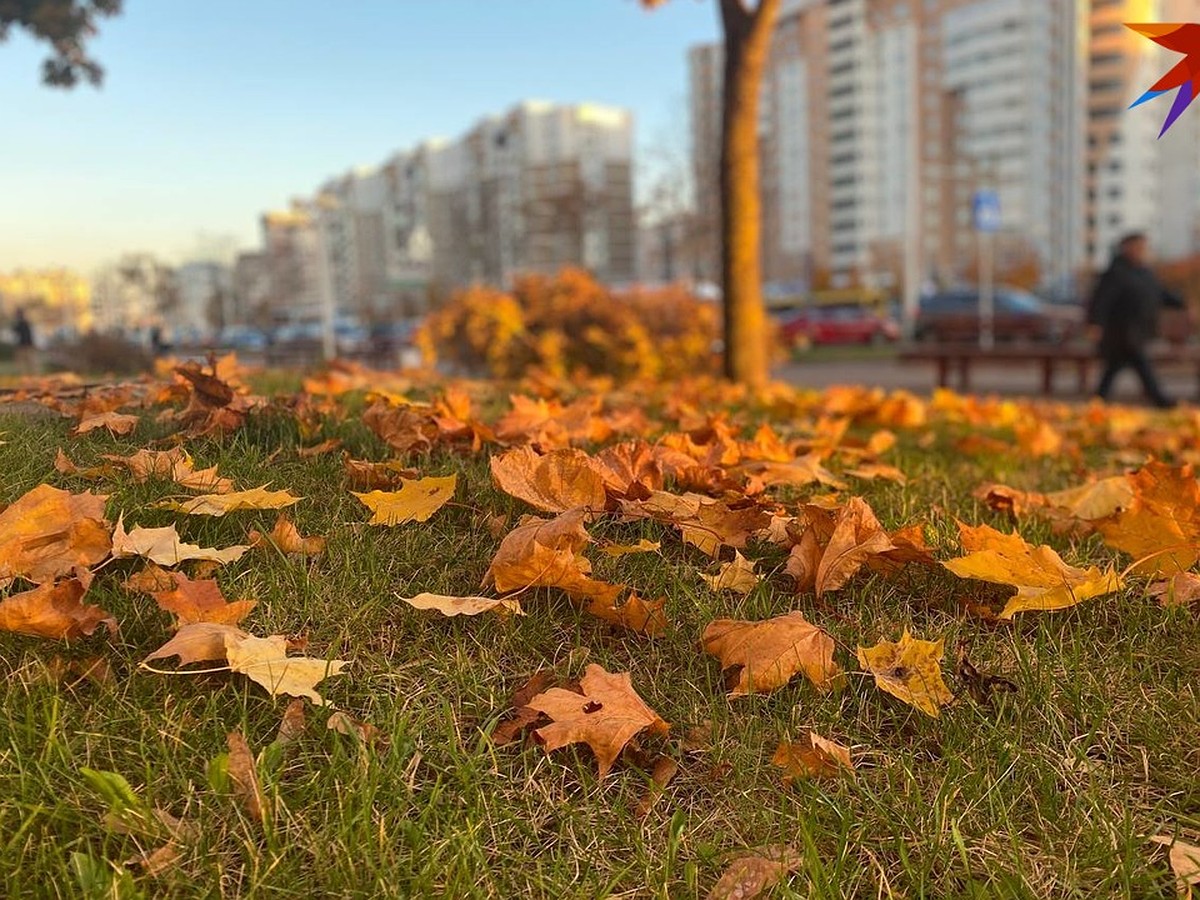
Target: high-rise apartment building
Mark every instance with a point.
(880, 119)
(295, 263)
(541, 187)
(1136, 180)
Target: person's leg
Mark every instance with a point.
(1113, 364)
(1145, 371)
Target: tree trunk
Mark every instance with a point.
(747, 43)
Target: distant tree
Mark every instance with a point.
(747, 27)
(66, 25)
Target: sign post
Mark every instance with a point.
(985, 208)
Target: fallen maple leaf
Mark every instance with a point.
(243, 773)
(348, 725)
(857, 536)
(220, 504)
(910, 670)
(175, 465)
(559, 481)
(1161, 527)
(54, 611)
(812, 757)
(416, 500)
(605, 716)
(47, 533)
(634, 613)
(377, 475)
(293, 723)
(665, 769)
(737, 576)
(115, 422)
(1185, 863)
(1181, 589)
(286, 537)
(871, 471)
(1043, 581)
(749, 875)
(201, 601)
(464, 606)
(764, 655)
(540, 552)
(162, 546)
(265, 661)
(198, 642)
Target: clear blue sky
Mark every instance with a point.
(213, 111)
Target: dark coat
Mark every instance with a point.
(1126, 304)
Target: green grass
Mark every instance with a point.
(1051, 792)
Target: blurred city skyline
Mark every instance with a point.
(211, 114)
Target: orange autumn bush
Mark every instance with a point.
(571, 325)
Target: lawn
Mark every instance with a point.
(1053, 789)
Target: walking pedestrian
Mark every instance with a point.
(26, 353)
(1124, 309)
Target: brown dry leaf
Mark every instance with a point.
(764, 655)
(150, 579)
(1185, 863)
(813, 757)
(605, 716)
(1075, 509)
(293, 723)
(243, 773)
(910, 670)
(465, 606)
(857, 536)
(513, 725)
(377, 475)
(737, 576)
(162, 546)
(748, 876)
(198, 642)
(201, 601)
(520, 562)
(72, 672)
(1039, 438)
(630, 469)
(1043, 581)
(801, 471)
(48, 533)
(176, 465)
(157, 861)
(403, 428)
(348, 725)
(642, 546)
(872, 470)
(1160, 528)
(320, 449)
(54, 611)
(559, 481)
(265, 661)
(665, 769)
(634, 613)
(703, 522)
(1181, 589)
(416, 500)
(286, 537)
(220, 504)
(116, 423)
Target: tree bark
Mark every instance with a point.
(747, 43)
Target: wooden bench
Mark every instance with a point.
(1049, 358)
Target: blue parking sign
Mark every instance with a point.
(985, 209)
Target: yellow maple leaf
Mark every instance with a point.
(764, 655)
(265, 661)
(220, 504)
(910, 670)
(812, 756)
(464, 606)
(1043, 581)
(416, 501)
(737, 576)
(163, 546)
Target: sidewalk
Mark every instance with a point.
(887, 372)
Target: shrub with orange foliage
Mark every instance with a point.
(570, 325)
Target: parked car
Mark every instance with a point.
(954, 316)
(243, 337)
(840, 324)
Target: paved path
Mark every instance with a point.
(995, 378)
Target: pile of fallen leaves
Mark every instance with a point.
(699, 464)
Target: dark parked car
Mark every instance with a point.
(1018, 316)
(841, 324)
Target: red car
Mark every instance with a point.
(843, 324)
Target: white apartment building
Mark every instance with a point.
(880, 118)
(540, 187)
(295, 263)
(205, 297)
